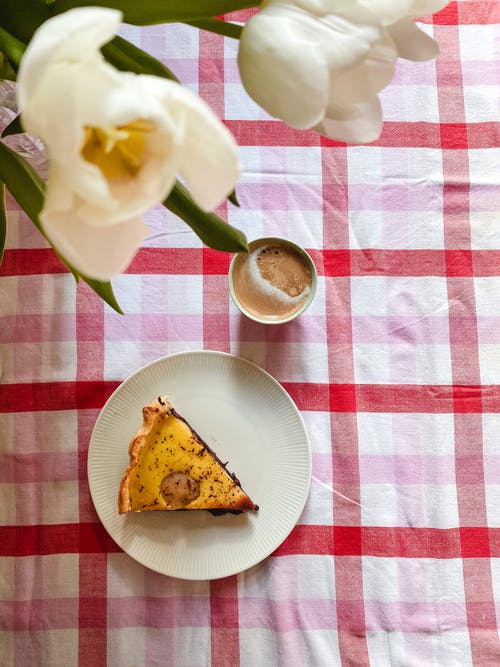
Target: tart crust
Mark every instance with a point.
(166, 450)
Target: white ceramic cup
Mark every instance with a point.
(269, 317)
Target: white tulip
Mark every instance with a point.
(115, 141)
(321, 63)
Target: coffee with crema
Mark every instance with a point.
(273, 281)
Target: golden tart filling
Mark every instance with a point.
(172, 468)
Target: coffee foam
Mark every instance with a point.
(266, 287)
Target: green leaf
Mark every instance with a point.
(12, 48)
(28, 189)
(233, 198)
(225, 28)
(211, 229)
(22, 17)
(14, 127)
(105, 291)
(129, 58)
(6, 70)
(148, 12)
(3, 220)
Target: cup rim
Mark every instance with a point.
(312, 290)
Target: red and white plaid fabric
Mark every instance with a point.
(395, 368)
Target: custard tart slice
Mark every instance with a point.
(172, 468)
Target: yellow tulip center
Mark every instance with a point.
(118, 151)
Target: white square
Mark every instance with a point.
(492, 494)
(251, 156)
(379, 505)
(58, 361)
(125, 577)
(59, 294)
(443, 580)
(258, 647)
(57, 647)
(9, 304)
(188, 652)
(364, 165)
(305, 228)
(303, 165)
(481, 103)
(440, 506)
(388, 648)
(7, 579)
(184, 294)
(121, 359)
(369, 295)
(7, 431)
(315, 577)
(366, 229)
(318, 510)
(317, 644)
(483, 169)
(489, 363)
(420, 364)
(238, 105)
(429, 434)
(318, 429)
(127, 289)
(491, 430)
(478, 42)
(372, 363)
(413, 230)
(422, 296)
(60, 502)
(58, 431)
(380, 579)
(126, 647)
(7, 504)
(487, 293)
(375, 433)
(452, 649)
(420, 102)
(60, 574)
(484, 230)
(495, 578)
(7, 647)
(180, 40)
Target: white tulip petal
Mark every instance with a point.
(96, 252)
(362, 129)
(284, 71)
(413, 43)
(209, 156)
(363, 82)
(75, 34)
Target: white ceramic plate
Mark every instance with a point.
(249, 420)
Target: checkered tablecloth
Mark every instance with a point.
(395, 368)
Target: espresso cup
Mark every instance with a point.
(274, 282)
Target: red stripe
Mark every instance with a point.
(342, 398)
(465, 363)
(472, 12)
(396, 542)
(475, 12)
(331, 263)
(41, 540)
(37, 397)
(394, 134)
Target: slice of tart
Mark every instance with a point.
(172, 468)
